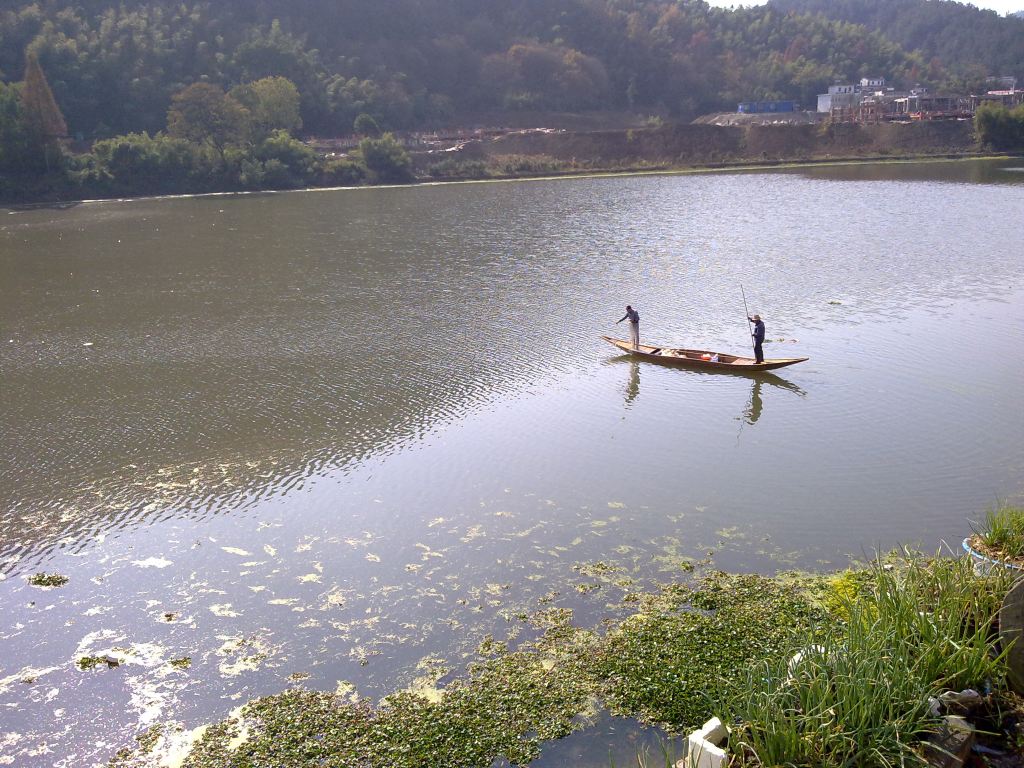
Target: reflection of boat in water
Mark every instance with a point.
(757, 377)
(701, 359)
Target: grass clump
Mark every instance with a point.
(859, 696)
(1002, 533)
(48, 580)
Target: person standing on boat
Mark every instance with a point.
(758, 335)
(634, 325)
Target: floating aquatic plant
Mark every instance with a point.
(48, 580)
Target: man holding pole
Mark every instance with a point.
(634, 325)
(758, 335)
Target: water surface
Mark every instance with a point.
(330, 434)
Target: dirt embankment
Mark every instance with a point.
(697, 145)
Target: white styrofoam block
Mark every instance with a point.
(704, 754)
(714, 731)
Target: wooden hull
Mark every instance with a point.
(694, 358)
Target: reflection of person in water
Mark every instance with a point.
(753, 412)
(633, 388)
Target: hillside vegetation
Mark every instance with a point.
(968, 43)
(113, 66)
(186, 96)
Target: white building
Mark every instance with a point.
(838, 97)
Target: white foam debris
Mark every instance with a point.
(224, 609)
(243, 654)
(176, 744)
(86, 644)
(237, 551)
(152, 562)
(25, 673)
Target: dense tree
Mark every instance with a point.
(204, 113)
(273, 104)
(365, 125)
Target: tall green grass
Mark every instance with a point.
(860, 696)
(1003, 531)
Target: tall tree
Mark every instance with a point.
(203, 113)
(273, 104)
(43, 119)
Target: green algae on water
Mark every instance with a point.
(48, 580)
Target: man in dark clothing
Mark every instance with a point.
(758, 335)
(634, 324)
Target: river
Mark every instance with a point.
(319, 437)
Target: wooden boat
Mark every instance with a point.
(703, 359)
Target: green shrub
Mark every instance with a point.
(287, 161)
(385, 159)
(342, 172)
(138, 164)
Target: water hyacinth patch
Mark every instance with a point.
(877, 643)
(666, 663)
(657, 666)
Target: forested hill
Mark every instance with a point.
(972, 42)
(114, 65)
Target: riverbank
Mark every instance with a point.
(147, 167)
(540, 171)
(681, 147)
(888, 638)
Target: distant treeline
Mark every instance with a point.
(213, 141)
(164, 96)
(970, 44)
(114, 66)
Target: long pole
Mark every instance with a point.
(747, 315)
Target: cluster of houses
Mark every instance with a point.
(871, 100)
